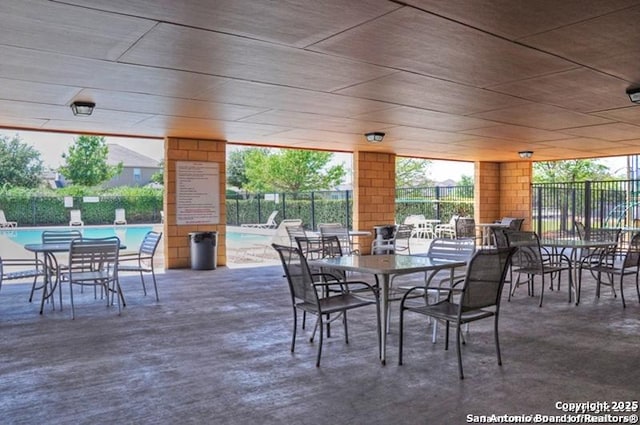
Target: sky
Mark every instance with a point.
(53, 145)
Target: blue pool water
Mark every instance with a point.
(238, 238)
(131, 236)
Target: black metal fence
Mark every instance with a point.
(557, 206)
(435, 202)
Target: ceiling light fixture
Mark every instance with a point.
(634, 94)
(374, 136)
(525, 154)
(83, 109)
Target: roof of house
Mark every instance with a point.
(129, 158)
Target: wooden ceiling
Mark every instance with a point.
(456, 79)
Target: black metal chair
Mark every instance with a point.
(306, 294)
(605, 264)
(144, 260)
(479, 298)
(530, 260)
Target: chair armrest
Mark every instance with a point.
(347, 284)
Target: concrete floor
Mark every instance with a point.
(215, 349)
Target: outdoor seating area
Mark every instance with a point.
(64, 258)
(179, 362)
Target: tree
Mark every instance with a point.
(290, 170)
(237, 169)
(20, 164)
(570, 171)
(412, 172)
(86, 162)
(158, 177)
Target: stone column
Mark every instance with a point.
(374, 197)
(176, 237)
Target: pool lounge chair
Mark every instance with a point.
(76, 218)
(270, 223)
(120, 216)
(5, 223)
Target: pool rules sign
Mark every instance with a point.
(197, 192)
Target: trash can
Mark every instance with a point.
(383, 234)
(203, 250)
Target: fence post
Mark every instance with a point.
(438, 203)
(237, 210)
(313, 210)
(539, 208)
(349, 221)
(587, 208)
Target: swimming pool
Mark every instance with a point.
(131, 236)
(245, 239)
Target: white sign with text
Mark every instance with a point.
(197, 192)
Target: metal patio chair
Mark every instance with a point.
(143, 260)
(530, 260)
(307, 295)
(477, 298)
(94, 262)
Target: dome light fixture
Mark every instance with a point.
(374, 136)
(83, 109)
(525, 154)
(634, 95)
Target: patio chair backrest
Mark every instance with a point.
(298, 274)
(632, 257)
(607, 235)
(528, 254)
(60, 236)
(271, 221)
(150, 243)
(452, 249)
(296, 231)
(339, 231)
(484, 279)
(120, 216)
(281, 235)
(580, 230)
(89, 254)
(403, 231)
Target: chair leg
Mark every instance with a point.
(637, 286)
(73, 309)
(321, 325)
(495, 330)
(541, 288)
(295, 326)
(400, 337)
(346, 329)
(458, 348)
(155, 285)
(446, 336)
(624, 305)
(144, 287)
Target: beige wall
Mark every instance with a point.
(176, 238)
(503, 190)
(374, 196)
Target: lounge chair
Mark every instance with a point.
(5, 223)
(270, 223)
(76, 218)
(120, 216)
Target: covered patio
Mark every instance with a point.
(215, 349)
(455, 80)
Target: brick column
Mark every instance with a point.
(176, 237)
(515, 191)
(503, 190)
(374, 197)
